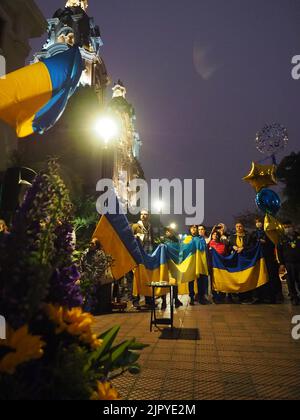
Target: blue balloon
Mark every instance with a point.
(268, 201)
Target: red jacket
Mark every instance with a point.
(219, 247)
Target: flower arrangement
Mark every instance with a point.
(95, 271)
(51, 351)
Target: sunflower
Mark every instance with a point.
(105, 391)
(19, 347)
(75, 322)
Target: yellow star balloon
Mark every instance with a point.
(273, 228)
(261, 176)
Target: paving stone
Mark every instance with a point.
(233, 352)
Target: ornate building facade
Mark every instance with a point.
(72, 139)
(126, 165)
(82, 156)
(70, 26)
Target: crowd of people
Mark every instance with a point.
(281, 260)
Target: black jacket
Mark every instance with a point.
(248, 241)
(289, 250)
(268, 248)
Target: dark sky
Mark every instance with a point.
(204, 77)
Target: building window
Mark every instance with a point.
(2, 29)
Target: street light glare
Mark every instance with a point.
(173, 226)
(107, 128)
(159, 205)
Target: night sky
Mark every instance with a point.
(204, 77)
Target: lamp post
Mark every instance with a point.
(159, 205)
(173, 226)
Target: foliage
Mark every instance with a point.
(27, 256)
(288, 172)
(248, 218)
(51, 351)
(94, 265)
(85, 219)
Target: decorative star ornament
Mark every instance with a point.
(261, 176)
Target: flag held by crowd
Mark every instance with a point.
(182, 263)
(238, 273)
(116, 237)
(33, 98)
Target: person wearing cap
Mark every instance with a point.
(222, 229)
(143, 231)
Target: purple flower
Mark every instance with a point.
(63, 288)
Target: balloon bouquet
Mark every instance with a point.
(270, 140)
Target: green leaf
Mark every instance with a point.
(137, 346)
(128, 359)
(134, 369)
(108, 338)
(118, 351)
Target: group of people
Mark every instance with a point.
(240, 241)
(280, 260)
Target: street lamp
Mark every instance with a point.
(173, 226)
(107, 128)
(158, 206)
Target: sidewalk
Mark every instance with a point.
(215, 352)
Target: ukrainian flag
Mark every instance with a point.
(33, 98)
(116, 237)
(183, 263)
(192, 261)
(238, 273)
(152, 268)
(191, 264)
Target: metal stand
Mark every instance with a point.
(162, 321)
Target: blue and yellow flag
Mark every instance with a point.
(238, 273)
(116, 237)
(183, 263)
(33, 98)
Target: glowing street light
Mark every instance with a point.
(107, 128)
(173, 226)
(159, 205)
